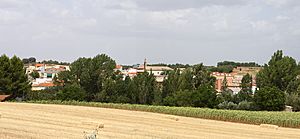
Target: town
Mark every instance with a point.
(47, 72)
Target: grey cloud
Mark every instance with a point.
(184, 4)
(170, 31)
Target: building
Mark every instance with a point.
(47, 73)
(42, 86)
(4, 97)
(234, 79)
(157, 71)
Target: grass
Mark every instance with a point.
(283, 119)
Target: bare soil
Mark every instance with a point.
(41, 121)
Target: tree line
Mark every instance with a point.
(94, 79)
(228, 66)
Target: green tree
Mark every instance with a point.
(204, 96)
(13, 79)
(246, 92)
(224, 87)
(246, 84)
(279, 72)
(71, 92)
(171, 84)
(34, 74)
(90, 74)
(186, 80)
(270, 98)
(146, 87)
(201, 77)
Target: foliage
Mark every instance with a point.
(279, 72)
(228, 105)
(246, 84)
(270, 98)
(13, 79)
(48, 94)
(54, 62)
(293, 100)
(71, 92)
(228, 66)
(89, 73)
(29, 60)
(34, 74)
(238, 64)
(245, 105)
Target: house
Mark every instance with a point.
(4, 97)
(234, 79)
(118, 68)
(42, 86)
(157, 71)
(47, 73)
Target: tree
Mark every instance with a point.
(90, 74)
(270, 98)
(293, 100)
(35, 74)
(171, 84)
(186, 80)
(204, 96)
(29, 60)
(246, 92)
(224, 87)
(146, 87)
(202, 77)
(72, 92)
(246, 84)
(279, 72)
(13, 79)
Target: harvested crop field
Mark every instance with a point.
(23, 120)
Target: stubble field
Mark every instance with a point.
(36, 121)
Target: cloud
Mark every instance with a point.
(211, 30)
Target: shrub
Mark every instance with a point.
(228, 105)
(245, 105)
(270, 98)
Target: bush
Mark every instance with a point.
(71, 92)
(245, 105)
(294, 101)
(48, 94)
(228, 105)
(270, 99)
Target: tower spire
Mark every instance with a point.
(145, 64)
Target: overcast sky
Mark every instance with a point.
(163, 31)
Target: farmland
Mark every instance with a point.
(25, 120)
(283, 119)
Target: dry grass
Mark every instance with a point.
(269, 126)
(36, 121)
(282, 119)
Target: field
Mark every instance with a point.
(24, 120)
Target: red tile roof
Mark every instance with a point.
(3, 97)
(44, 85)
(118, 66)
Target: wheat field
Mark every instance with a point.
(36, 121)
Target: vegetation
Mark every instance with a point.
(94, 80)
(13, 80)
(278, 79)
(54, 62)
(283, 119)
(34, 74)
(228, 66)
(29, 60)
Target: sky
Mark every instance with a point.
(162, 31)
